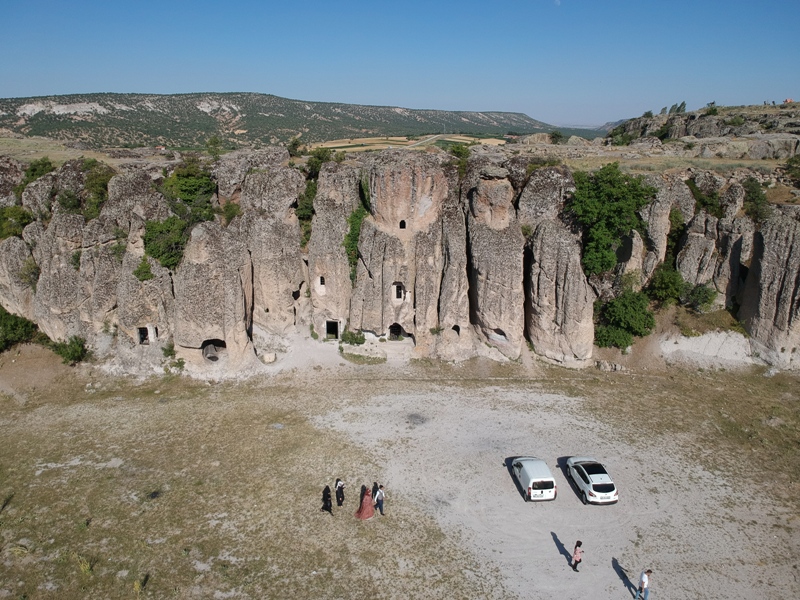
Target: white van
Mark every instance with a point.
(535, 478)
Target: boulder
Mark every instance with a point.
(232, 168)
(11, 175)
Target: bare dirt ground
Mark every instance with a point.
(173, 488)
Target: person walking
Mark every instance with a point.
(644, 584)
(379, 499)
(374, 489)
(339, 492)
(367, 509)
(577, 555)
(327, 504)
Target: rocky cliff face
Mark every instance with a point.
(455, 261)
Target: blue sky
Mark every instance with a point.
(561, 61)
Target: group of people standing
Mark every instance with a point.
(644, 579)
(369, 501)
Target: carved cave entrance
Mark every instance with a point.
(213, 350)
(332, 330)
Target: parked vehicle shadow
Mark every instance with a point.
(561, 461)
(561, 549)
(508, 462)
(623, 575)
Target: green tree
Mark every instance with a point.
(606, 204)
(190, 188)
(622, 318)
(96, 182)
(294, 147)
(214, 147)
(165, 241)
(667, 284)
(72, 351)
(556, 137)
(319, 156)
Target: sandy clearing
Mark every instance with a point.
(445, 450)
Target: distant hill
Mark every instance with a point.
(187, 120)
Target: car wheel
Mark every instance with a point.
(584, 499)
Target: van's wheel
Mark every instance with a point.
(584, 499)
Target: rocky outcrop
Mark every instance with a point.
(11, 174)
(495, 250)
(454, 261)
(771, 300)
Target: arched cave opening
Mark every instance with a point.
(457, 329)
(402, 224)
(213, 350)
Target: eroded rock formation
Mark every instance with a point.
(458, 261)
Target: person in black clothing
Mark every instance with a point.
(339, 492)
(327, 504)
(374, 489)
(361, 497)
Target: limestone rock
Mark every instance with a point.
(11, 175)
(672, 194)
(328, 268)
(771, 301)
(232, 168)
(544, 195)
(495, 251)
(696, 261)
(559, 315)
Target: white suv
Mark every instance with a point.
(592, 480)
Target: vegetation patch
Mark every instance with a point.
(621, 319)
(166, 240)
(708, 202)
(606, 204)
(15, 330)
(36, 169)
(143, 272)
(13, 219)
(755, 201)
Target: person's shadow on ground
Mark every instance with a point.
(561, 549)
(623, 575)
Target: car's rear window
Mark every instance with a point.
(546, 484)
(594, 469)
(603, 488)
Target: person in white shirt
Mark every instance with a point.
(644, 585)
(379, 496)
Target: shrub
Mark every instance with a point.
(29, 273)
(662, 132)
(165, 241)
(755, 201)
(736, 121)
(648, 114)
(75, 260)
(143, 272)
(711, 111)
(13, 219)
(700, 298)
(622, 318)
(350, 243)
(319, 156)
(314, 334)
(294, 147)
(606, 203)
(70, 202)
(556, 137)
(709, 202)
(96, 187)
(72, 351)
(14, 330)
(667, 285)
(169, 350)
(340, 156)
(793, 169)
(230, 211)
(354, 338)
(36, 169)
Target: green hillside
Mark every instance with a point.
(240, 119)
